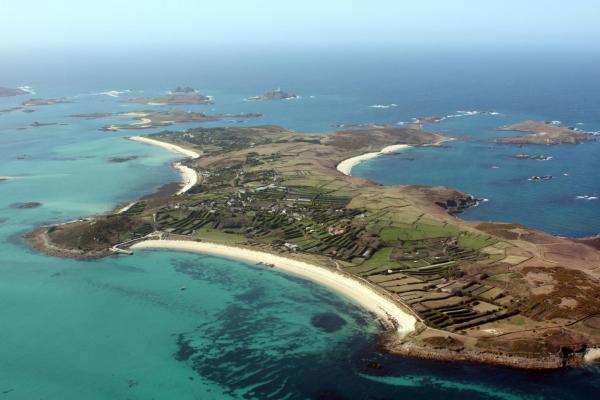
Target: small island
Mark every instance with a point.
(543, 133)
(172, 99)
(37, 124)
(10, 92)
(184, 89)
(538, 157)
(44, 102)
(442, 287)
(276, 94)
(153, 119)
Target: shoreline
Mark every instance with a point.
(171, 147)
(385, 309)
(345, 166)
(401, 323)
(189, 177)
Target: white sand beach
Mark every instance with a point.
(168, 146)
(189, 177)
(345, 167)
(356, 291)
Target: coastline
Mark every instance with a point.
(345, 166)
(189, 177)
(404, 340)
(360, 294)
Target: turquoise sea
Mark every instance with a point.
(121, 328)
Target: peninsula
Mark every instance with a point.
(543, 132)
(444, 288)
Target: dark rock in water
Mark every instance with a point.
(541, 178)
(185, 349)
(132, 382)
(123, 159)
(328, 322)
(538, 157)
(41, 124)
(374, 365)
(32, 204)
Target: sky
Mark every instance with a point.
(31, 24)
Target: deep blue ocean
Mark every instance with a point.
(120, 328)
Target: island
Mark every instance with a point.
(11, 109)
(537, 157)
(44, 102)
(37, 124)
(276, 94)
(10, 92)
(172, 99)
(153, 119)
(442, 288)
(184, 89)
(544, 132)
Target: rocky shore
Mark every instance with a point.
(409, 348)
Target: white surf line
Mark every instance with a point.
(188, 175)
(345, 166)
(592, 355)
(360, 293)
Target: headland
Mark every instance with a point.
(479, 291)
(544, 133)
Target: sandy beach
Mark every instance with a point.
(359, 293)
(189, 177)
(345, 167)
(168, 146)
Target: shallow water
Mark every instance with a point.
(121, 327)
(486, 170)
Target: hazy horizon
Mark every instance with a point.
(137, 24)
